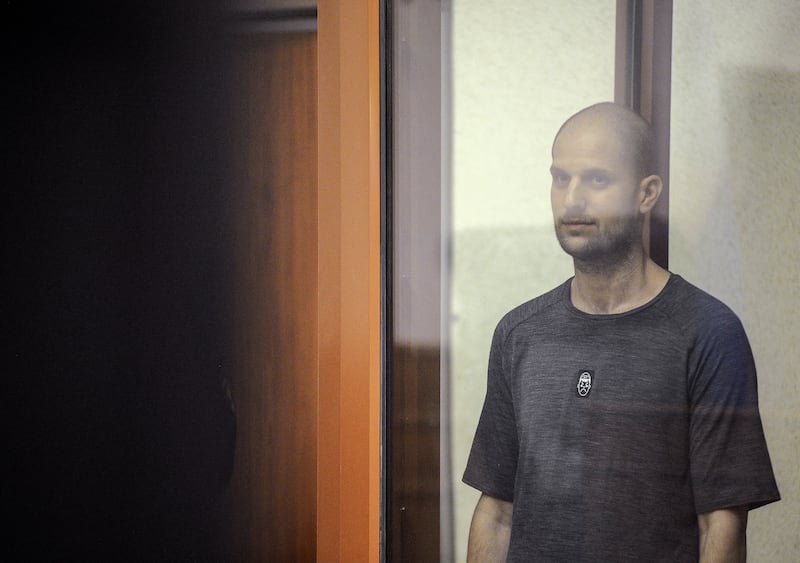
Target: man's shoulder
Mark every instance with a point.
(533, 307)
(692, 306)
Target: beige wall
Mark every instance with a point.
(519, 69)
(735, 200)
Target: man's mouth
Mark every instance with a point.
(576, 221)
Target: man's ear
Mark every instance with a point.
(649, 192)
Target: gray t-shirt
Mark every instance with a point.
(610, 433)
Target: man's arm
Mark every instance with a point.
(490, 531)
(723, 537)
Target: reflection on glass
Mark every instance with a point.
(412, 450)
(516, 72)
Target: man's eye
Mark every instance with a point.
(599, 180)
(560, 179)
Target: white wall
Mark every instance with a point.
(735, 202)
(519, 69)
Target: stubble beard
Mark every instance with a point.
(607, 250)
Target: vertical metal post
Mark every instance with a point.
(642, 82)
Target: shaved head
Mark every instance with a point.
(634, 133)
(604, 183)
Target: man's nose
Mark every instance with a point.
(574, 197)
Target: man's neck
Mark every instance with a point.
(610, 289)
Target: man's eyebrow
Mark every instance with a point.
(587, 172)
(596, 171)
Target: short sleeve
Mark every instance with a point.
(492, 464)
(729, 460)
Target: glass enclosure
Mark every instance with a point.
(478, 91)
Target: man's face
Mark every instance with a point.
(594, 194)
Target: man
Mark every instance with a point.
(621, 416)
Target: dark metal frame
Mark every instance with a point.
(387, 250)
(642, 82)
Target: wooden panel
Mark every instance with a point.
(274, 389)
(348, 508)
(414, 517)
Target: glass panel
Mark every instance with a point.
(472, 227)
(734, 203)
(519, 68)
(413, 443)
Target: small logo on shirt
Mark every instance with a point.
(584, 383)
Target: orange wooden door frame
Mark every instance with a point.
(348, 464)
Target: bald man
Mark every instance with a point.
(621, 415)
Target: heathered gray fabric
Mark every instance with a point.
(669, 429)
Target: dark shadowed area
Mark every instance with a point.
(116, 267)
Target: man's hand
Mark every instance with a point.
(723, 537)
(490, 531)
